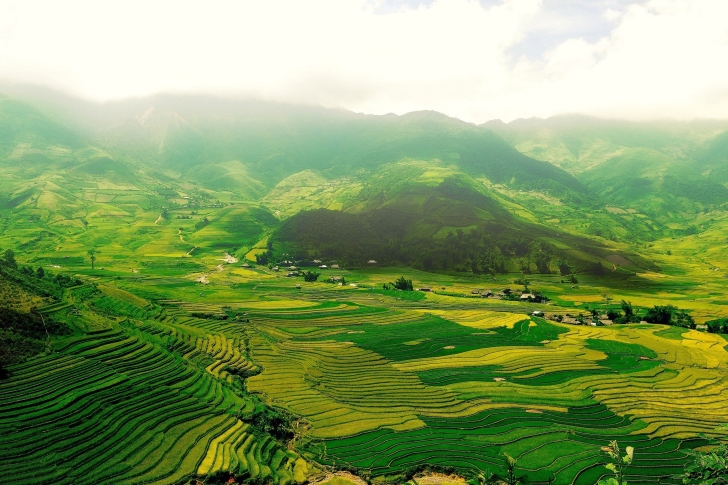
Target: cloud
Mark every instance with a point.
(476, 60)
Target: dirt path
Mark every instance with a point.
(158, 219)
(230, 259)
(179, 233)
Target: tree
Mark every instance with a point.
(564, 268)
(709, 468)
(660, 314)
(311, 276)
(40, 272)
(92, 256)
(510, 478)
(618, 465)
(403, 284)
(719, 325)
(10, 258)
(627, 309)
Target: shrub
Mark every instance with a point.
(403, 284)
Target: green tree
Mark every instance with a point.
(92, 256)
(618, 465)
(627, 309)
(40, 272)
(511, 478)
(311, 276)
(660, 314)
(403, 284)
(9, 256)
(564, 268)
(709, 468)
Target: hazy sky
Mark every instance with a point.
(476, 60)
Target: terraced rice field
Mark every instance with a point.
(157, 392)
(138, 402)
(461, 388)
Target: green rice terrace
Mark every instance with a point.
(162, 379)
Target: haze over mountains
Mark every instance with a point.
(385, 186)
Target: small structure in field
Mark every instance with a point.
(372, 261)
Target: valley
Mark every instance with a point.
(239, 317)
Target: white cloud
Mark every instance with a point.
(665, 58)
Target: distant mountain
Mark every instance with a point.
(662, 168)
(186, 176)
(263, 143)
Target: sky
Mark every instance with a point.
(476, 60)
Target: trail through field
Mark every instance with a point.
(179, 233)
(158, 219)
(340, 478)
(189, 253)
(220, 268)
(230, 259)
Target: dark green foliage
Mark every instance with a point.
(719, 325)
(40, 272)
(23, 335)
(311, 275)
(202, 223)
(564, 268)
(15, 348)
(660, 314)
(613, 314)
(9, 258)
(683, 319)
(30, 325)
(491, 248)
(403, 284)
(266, 420)
(708, 468)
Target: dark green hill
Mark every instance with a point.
(455, 224)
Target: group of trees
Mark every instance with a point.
(719, 325)
(311, 276)
(401, 284)
(661, 314)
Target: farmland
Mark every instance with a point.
(376, 382)
(192, 347)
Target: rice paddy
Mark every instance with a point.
(157, 380)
